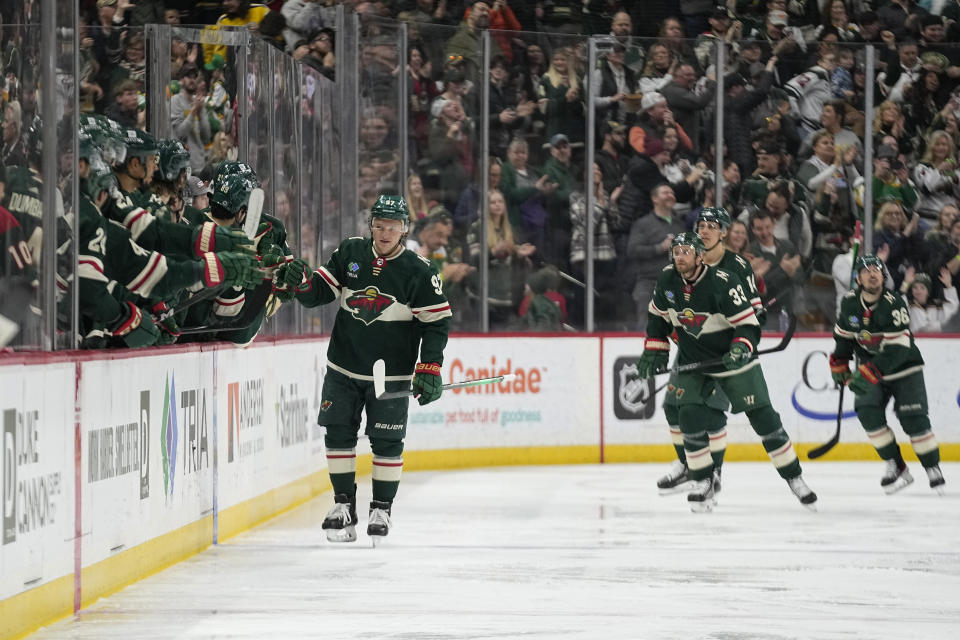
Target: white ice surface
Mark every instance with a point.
(576, 552)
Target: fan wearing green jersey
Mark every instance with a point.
(711, 312)
(873, 323)
(392, 308)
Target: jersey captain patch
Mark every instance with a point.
(369, 304)
(692, 321)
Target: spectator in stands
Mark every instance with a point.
(943, 250)
(835, 15)
(903, 239)
(738, 105)
(686, 105)
(672, 34)
(777, 262)
(830, 162)
(142, 12)
(658, 72)
(790, 221)
(452, 144)
(935, 176)
(237, 13)
(832, 121)
(560, 171)
(891, 179)
(416, 198)
(507, 115)
(611, 155)
(124, 107)
(133, 65)
(302, 18)
(562, 16)
(508, 261)
(834, 210)
(466, 41)
(605, 213)
(502, 19)
(940, 232)
(655, 116)
(786, 45)
(171, 17)
(526, 190)
(543, 308)
(648, 247)
(722, 29)
(422, 90)
(560, 99)
(772, 169)
(737, 239)
(321, 56)
(615, 80)
(842, 86)
(188, 117)
(889, 120)
(925, 316)
(12, 153)
(896, 80)
(899, 16)
(621, 28)
(467, 210)
(198, 192)
(810, 90)
(455, 86)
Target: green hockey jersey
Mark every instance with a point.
(879, 334)
(708, 314)
(735, 264)
(388, 309)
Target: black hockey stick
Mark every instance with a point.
(252, 306)
(712, 362)
(380, 381)
(832, 442)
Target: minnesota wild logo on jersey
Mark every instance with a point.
(368, 305)
(691, 321)
(870, 341)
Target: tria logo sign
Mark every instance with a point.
(367, 305)
(169, 434)
(189, 424)
(691, 321)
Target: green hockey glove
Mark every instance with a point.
(134, 327)
(210, 237)
(839, 369)
(231, 268)
(656, 354)
(427, 385)
(738, 356)
(866, 376)
(169, 328)
(293, 276)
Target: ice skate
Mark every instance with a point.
(676, 480)
(936, 479)
(800, 489)
(702, 497)
(896, 477)
(379, 522)
(716, 480)
(340, 524)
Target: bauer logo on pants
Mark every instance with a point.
(633, 398)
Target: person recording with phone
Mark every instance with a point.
(891, 179)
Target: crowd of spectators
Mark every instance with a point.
(794, 122)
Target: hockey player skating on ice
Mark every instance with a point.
(874, 323)
(392, 307)
(711, 312)
(712, 226)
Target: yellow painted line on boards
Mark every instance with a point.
(26, 612)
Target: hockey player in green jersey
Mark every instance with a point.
(712, 225)
(392, 307)
(712, 314)
(874, 323)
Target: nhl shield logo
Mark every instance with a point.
(368, 305)
(633, 396)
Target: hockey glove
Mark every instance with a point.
(293, 277)
(866, 376)
(839, 369)
(231, 268)
(210, 237)
(169, 328)
(134, 327)
(656, 354)
(738, 356)
(427, 385)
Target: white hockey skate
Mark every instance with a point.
(804, 494)
(676, 481)
(340, 525)
(716, 480)
(936, 479)
(702, 498)
(896, 477)
(379, 523)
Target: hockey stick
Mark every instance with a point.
(712, 362)
(832, 442)
(380, 382)
(252, 306)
